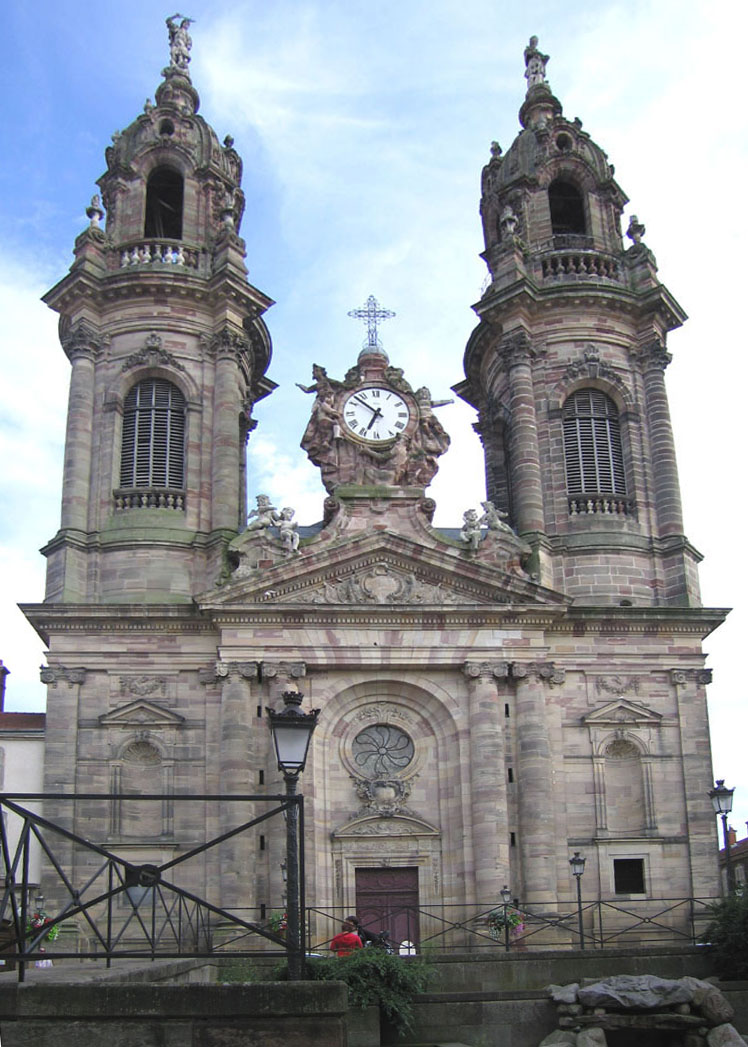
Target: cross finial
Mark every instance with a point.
(370, 313)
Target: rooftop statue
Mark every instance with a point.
(180, 41)
(535, 63)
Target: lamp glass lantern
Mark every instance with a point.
(721, 797)
(292, 732)
(577, 864)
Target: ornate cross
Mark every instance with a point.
(370, 314)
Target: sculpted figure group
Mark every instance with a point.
(409, 460)
(266, 516)
(492, 518)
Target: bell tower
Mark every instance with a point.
(168, 352)
(566, 368)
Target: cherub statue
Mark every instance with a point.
(493, 518)
(287, 528)
(265, 513)
(471, 532)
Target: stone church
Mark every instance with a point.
(493, 697)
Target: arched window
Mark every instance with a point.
(153, 436)
(164, 201)
(567, 208)
(592, 445)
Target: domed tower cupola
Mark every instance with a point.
(554, 190)
(171, 190)
(169, 352)
(566, 366)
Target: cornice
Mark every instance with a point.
(599, 622)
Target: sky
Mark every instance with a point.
(363, 128)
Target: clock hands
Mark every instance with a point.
(377, 414)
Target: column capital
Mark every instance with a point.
(225, 670)
(486, 670)
(652, 356)
(229, 343)
(683, 677)
(543, 672)
(83, 339)
(56, 674)
(291, 670)
(516, 348)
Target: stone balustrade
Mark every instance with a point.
(579, 264)
(149, 498)
(158, 253)
(603, 504)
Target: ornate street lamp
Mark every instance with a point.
(292, 732)
(577, 868)
(721, 798)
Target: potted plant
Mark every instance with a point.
(503, 918)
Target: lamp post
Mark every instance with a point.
(506, 900)
(577, 868)
(292, 732)
(721, 798)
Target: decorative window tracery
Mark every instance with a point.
(381, 750)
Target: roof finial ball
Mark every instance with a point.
(535, 63)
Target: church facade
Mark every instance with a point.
(492, 698)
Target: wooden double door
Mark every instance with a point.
(387, 900)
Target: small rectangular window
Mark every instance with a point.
(512, 839)
(260, 777)
(510, 774)
(262, 843)
(628, 875)
(506, 709)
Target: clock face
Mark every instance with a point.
(376, 414)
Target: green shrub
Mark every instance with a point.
(373, 977)
(727, 935)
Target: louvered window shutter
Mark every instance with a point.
(592, 444)
(153, 436)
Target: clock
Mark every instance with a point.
(375, 413)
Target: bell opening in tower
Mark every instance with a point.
(164, 203)
(567, 209)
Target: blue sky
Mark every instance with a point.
(363, 128)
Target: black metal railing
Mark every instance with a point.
(107, 906)
(605, 923)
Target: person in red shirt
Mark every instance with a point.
(346, 942)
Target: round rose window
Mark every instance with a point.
(381, 750)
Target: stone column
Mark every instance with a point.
(227, 443)
(653, 360)
(60, 761)
(82, 347)
(536, 828)
(527, 486)
(489, 780)
(701, 824)
(239, 854)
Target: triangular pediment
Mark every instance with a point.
(613, 714)
(384, 569)
(141, 714)
(376, 825)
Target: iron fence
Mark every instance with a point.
(606, 923)
(109, 906)
(105, 905)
